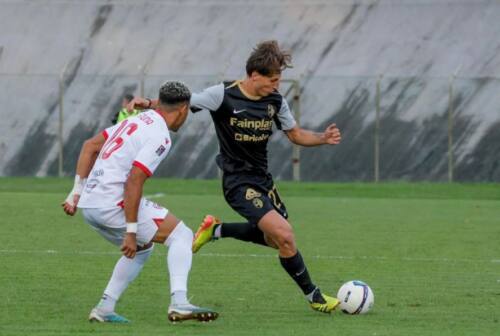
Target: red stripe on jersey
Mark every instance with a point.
(158, 221)
(121, 204)
(143, 168)
(105, 134)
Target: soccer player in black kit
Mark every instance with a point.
(243, 113)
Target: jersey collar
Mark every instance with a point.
(246, 94)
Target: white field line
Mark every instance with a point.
(157, 195)
(237, 255)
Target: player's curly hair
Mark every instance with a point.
(268, 59)
(173, 93)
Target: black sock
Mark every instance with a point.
(243, 231)
(296, 268)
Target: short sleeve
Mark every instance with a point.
(106, 133)
(151, 155)
(209, 99)
(285, 118)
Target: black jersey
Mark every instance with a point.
(243, 124)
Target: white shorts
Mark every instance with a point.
(111, 224)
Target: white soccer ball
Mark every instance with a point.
(355, 297)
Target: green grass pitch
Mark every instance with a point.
(430, 252)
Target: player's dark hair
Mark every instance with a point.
(268, 59)
(173, 94)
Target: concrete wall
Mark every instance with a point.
(340, 49)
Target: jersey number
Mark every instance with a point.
(116, 140)
(273, 195)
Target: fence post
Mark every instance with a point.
(60, 172)
(376, 160)
(450, 130)
(141, 84)
(296, 148)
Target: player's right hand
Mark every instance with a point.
(70, 205)
(138, 103)
(129, 245)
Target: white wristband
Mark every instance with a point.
(132, 227)
(77, 190)
(79, 184)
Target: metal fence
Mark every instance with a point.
(462, 114)
(401, 127)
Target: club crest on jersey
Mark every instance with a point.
(257, 202)
(271, 110)
(251, 194)
(160, 150)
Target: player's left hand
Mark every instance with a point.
(129, 245)
(332, 135)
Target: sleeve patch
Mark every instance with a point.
(160, 150)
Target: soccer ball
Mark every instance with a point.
(355, 297)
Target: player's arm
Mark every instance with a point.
(299, 136)
(88, 154)
(132, 199)
(144, 165)
(209, 99)
(303, 137)
(142, 104)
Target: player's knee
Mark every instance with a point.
(270, 241)
(180, 233)
(285, 239)
(144, 252)
(185, 232)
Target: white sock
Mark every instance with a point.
(217, 231)
(107, 304)
(179, 258)
(179, 298)
(126, 270)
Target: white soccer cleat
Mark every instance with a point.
(179, 313)
(97, 316)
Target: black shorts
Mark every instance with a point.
(252, 196)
